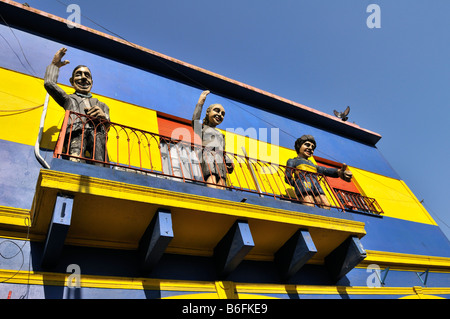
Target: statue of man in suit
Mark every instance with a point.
(84, 132)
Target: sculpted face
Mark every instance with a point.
(307, 149)
(216, 114)
(82, 80)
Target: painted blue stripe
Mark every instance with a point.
(19, 172)
(402, 236)
(136, 86)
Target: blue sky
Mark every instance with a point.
(321, 54)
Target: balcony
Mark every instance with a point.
(147, 190)
(357, 202)
(143, 152)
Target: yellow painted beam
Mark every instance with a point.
(211, 289)
(110, 282)
(399, 260)
(225, 289)
(247, 288)
(14, 216)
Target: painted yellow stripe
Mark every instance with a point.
(110, 282)
(207, 289)
(332, 290)
(22, 126)
(438, 264)
(18, 93)
(14, 216)
(100, 187)
(393, 195)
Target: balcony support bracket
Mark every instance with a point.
(57, 231)
(294, 253)
(155, 239)
(345, 257)
(232, 248)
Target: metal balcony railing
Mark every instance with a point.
(357, 202)
(144, 152)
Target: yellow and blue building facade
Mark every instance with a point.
(142, 236)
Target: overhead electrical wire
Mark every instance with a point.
(33, 72)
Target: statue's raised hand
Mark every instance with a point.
(202, 98)
(58, 56)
